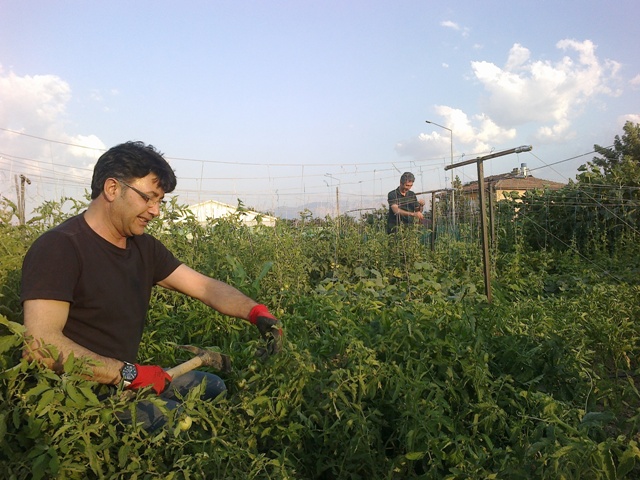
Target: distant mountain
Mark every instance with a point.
(321, 210)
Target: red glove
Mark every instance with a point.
(150, 375)
(269, 328)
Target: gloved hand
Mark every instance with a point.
(150, 375)
(268, 326)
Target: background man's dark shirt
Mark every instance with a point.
(408, 202)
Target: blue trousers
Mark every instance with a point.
(152, 417)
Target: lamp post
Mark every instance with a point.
(453, 189)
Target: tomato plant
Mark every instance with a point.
(394, 365)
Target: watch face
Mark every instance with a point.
(129, 372)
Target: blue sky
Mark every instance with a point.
(278, 103)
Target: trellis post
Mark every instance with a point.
(483, 211)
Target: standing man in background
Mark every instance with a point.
(86, 284)
(404, 206)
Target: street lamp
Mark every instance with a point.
(453, 189)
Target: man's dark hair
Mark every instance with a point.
(131, 160)
(407, 177)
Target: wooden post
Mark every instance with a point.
(483, 229)
(483, 212)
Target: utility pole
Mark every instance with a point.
(337, 193)
(20, 197)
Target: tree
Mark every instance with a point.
(600, 211)
(617, 165)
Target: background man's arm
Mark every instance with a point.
(404, 213)
(44, 321)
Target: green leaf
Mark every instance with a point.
(606, 460)
(38, 389)
(13, 327)
(75, 396)
(8, 342)
(596, 419)
(45, 401)
(259, 400)
(89, 394)
(3, 425)
(627, 460)
(415, 455)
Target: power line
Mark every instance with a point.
(51, 141)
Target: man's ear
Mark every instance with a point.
(111, 189)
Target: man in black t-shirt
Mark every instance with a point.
(86, 284)
(404, 206)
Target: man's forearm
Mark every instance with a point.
(404, 213)
(228, 300)
(104, 369)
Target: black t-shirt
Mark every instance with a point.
(108, 287)
(408, 202)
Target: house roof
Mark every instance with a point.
(514, 181)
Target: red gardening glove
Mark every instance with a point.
(150, 375)
(268, 326)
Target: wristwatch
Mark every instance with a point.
(128, 372)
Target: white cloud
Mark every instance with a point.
(518, 56)
(32, 101)
(36, 105)
(630, 117)
(545, 92)
(478, 134)
(465, 136)
(635, 81)
(450, 24)
(455, 26)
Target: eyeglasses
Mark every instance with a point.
(151, 202)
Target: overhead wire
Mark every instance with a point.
(50, 176)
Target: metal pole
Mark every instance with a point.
(20, 197)
(433, 221)
(453, 190)
(18, 202)
(492, 214)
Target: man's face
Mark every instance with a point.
(405, 187)
(139, 204)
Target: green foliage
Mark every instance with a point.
(394, 365)
(619, 165)
(598, 212)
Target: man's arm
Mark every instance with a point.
(405, 213)
(229, 301)
(216, 294)
(44, 321)
(394, 205)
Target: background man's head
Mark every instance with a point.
(406, 182)
(407, 177)
(129, 161)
